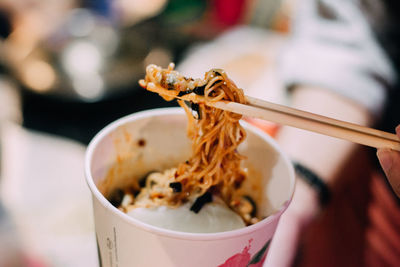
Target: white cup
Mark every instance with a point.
(155, 140)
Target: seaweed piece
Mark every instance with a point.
(217, 72)
(176, 187)
(116, 197)
(182, 93)
(216, 82)
(142, 181)
(136, 193)
(170, 86)
(195, 107)
(253, 204)
(201, 201)
(199, 90)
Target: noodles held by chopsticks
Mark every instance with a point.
(215, 164)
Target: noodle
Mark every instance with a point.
(215, 164)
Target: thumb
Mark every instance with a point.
(390, 162)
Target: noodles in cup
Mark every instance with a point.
(213, 172)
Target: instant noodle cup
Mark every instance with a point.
(133, 146)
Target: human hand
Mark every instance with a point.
(390, 162)
(301, 211)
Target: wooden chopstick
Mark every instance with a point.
(312, 122)
(268, 105)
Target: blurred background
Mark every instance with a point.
(70, 67)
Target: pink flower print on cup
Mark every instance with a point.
(243, 259)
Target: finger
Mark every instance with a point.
(398, 130)
(390, 162)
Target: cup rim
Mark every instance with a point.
(172, 233)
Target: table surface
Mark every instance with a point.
(44, 191)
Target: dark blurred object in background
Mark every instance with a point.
(81, 73)
(77, 63)
(5, 25)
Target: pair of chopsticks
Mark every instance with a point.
(265, 110)
(281, 114)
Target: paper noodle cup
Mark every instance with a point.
(156, 140)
